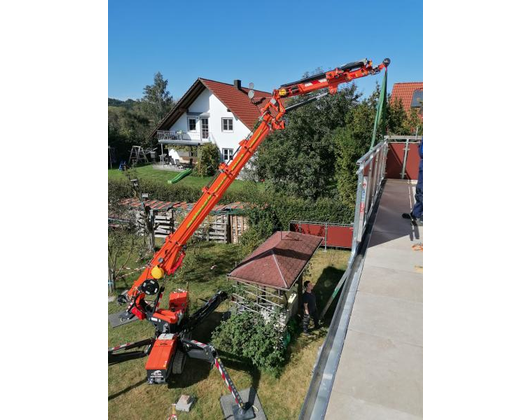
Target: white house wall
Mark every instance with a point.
(207, 102)
(227, 140)
(200, 105)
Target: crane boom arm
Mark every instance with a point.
(169, 258)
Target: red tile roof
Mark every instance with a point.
(405, 91)
(235, 100)
(238, 102)
(278, 261)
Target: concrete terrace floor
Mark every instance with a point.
(380, 373)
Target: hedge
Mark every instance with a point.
(275, 210)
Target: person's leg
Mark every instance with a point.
(305, 323)
(417, 211)
(314, 315)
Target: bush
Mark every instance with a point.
(248, 335)
(157, 191)
(208, 160)
(119, 189)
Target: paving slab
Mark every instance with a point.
(393, 283)
(381, 371)
(343, 406)
(396, 319)
(398, 259)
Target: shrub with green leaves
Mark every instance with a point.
(208, 160)
(121, 188)
(249, 335)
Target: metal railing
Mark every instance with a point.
(169, 135)
(179, 135)
(325, 225)
(370, 176)
(407, 140)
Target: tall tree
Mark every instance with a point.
(300, 159)
(157, 101)
(397, 118)
(401, 122)
(352, 142)
(415, 122)
(126, 128)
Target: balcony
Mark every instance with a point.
(169, 135)
(377, 329)
(180, 138)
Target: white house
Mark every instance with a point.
(210, 111)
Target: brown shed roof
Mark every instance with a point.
(278, 261)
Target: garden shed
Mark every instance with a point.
(270, 278)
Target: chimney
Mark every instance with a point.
(237, 84)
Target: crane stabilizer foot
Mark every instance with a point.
(246, 413)
(252, 410)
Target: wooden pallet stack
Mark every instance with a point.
(164, 223)
(239, 224)
(214, 228)
(224, 225)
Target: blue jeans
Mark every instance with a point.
(417, 210)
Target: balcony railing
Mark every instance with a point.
(169, 135)
(180, 136)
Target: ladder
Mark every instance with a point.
(137, 156)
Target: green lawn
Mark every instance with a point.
(147, 172)
(204, 269)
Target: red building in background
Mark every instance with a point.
(410, 94)
(403, 158)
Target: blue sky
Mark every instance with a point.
(267, 42)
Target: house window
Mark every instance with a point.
(227, 124)
(192, 124)
(228, 154)
(204, 128)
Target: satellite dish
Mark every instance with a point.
(250, 94)
(251, 85)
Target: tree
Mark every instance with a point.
(397, 118)
(127, 127)
(157, 101)
(208, 160)
(352, 142)
(401, 122)
(122, 241)
(414, 122)
(300, 159)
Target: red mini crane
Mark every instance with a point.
(166, 351)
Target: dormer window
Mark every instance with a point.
(417, 99)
